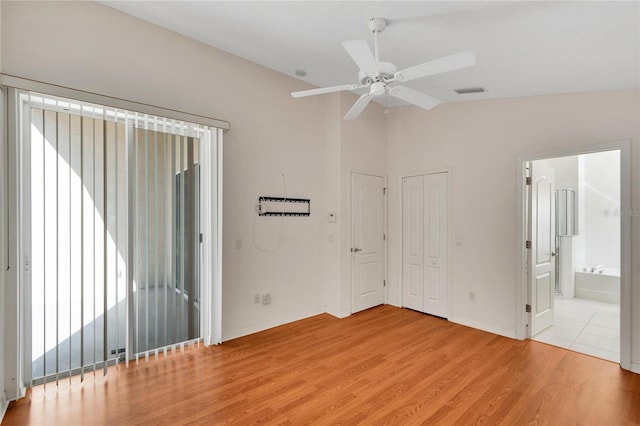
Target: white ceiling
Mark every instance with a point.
(522, 48)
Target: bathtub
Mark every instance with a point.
(604, 286)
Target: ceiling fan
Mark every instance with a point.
(377, 75)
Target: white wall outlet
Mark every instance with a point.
(256, 298)
(266, 299)
(472, 296)
(331, 217)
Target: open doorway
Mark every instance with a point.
(574, 261)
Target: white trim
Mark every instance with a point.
(427, 172)
(245, 331)
(625, 239)
(349, 231)
(110, 101)
(3, 240)
(449, 172)
(340, 315)
(635, 368)
(216, 286)
(12, 298)
(25, 235)
(207, 188)
(4, 404)
(483, 327)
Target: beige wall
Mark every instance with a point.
(481, 142)
(87, 46)
(364, 145)
(352, 146)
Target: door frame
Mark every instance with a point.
(349, 215)
(522, 317)
(449, 172)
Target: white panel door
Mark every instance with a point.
(436, 247)
(367, 241)
(413, 242)
(425, 243)
(541, 255)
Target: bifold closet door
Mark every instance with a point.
(425, 243)
(413, 242)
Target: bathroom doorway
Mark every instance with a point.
(573, 218)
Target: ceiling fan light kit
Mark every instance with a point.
(378, 75)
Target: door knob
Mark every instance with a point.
(553, 253)
(355, 250)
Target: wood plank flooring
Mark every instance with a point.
(382, 366)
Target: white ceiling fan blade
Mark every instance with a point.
(324, 90)
(448, 63)
(358, 107)
(413, 97)
(361, 54)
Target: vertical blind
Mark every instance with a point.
(120, 227)
(166, 209)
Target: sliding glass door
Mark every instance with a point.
(115, 215)
(166, 276)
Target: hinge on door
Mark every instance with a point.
(201, 237)
(384, 190)
(527, 308)
(528, 180)
(384, 237)
(527, 244)
(384, 283)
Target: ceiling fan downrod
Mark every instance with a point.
(377, 25)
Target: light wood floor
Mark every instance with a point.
(382, 366)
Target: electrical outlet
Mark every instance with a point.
(256, 298)
(266, 299)
(472, 296)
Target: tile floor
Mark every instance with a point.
(585, 326)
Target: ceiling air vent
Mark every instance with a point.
(467, 90)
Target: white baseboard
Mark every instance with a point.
(635, 368)
(484, 327)
(255, 328)
(339, 314)
(3, 408)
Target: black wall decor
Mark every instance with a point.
(280, 206)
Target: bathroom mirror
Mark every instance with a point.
(566, 212)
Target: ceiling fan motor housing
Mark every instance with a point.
(377, 89)
(386, 74)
